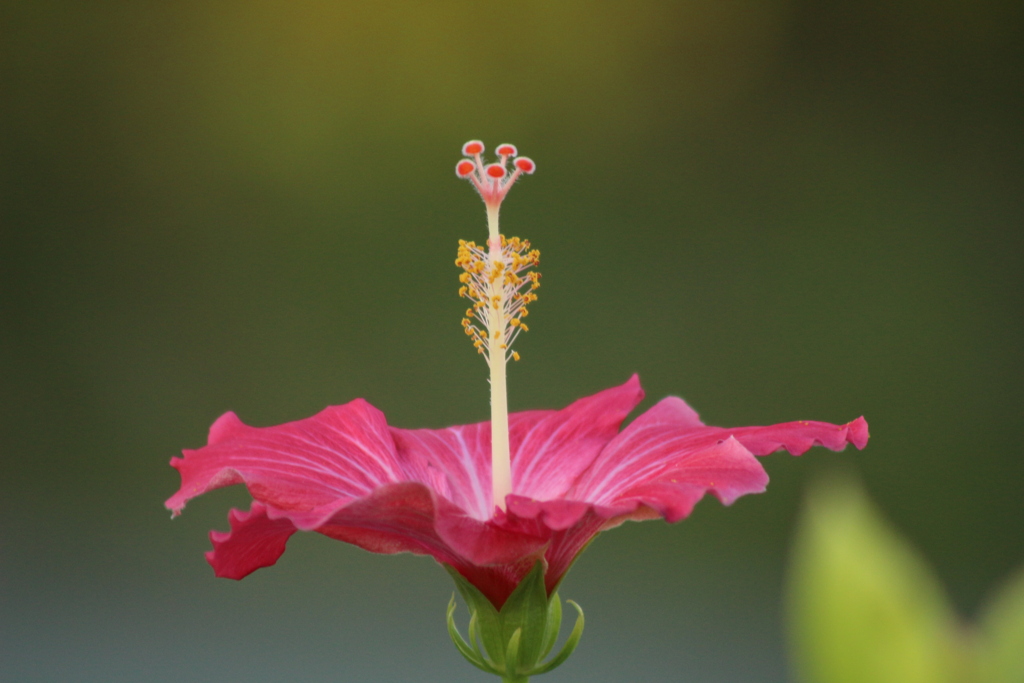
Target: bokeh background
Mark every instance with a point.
(778, 209)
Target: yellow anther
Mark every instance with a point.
(523, 327)
(500, 281)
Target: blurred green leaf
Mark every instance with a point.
(1001, 642)
(863, 606)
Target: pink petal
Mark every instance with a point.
(556, 514)
(726, 469)
(549, 448)
(798, 437)
(254, 541)
(462, 457)
(340, 453)
(410, 518)
(551, 452)
(671, 490)
(396, 518)
(664, 444)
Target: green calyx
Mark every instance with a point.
(511, 643)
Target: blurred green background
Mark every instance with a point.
(778, 210)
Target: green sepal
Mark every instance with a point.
(515, 639)
(552, 627)
(471, 654)
(488, 621)
(512, 653)
(570, 644)
(526, 613)
(474, 641)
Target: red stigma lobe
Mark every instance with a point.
(526, 165)
(473, 147)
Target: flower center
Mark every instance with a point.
(500, 284)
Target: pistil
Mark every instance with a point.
(494, 281)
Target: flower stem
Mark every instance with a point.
(501, 466)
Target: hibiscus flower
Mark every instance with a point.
(489, 500)
(348, 475)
